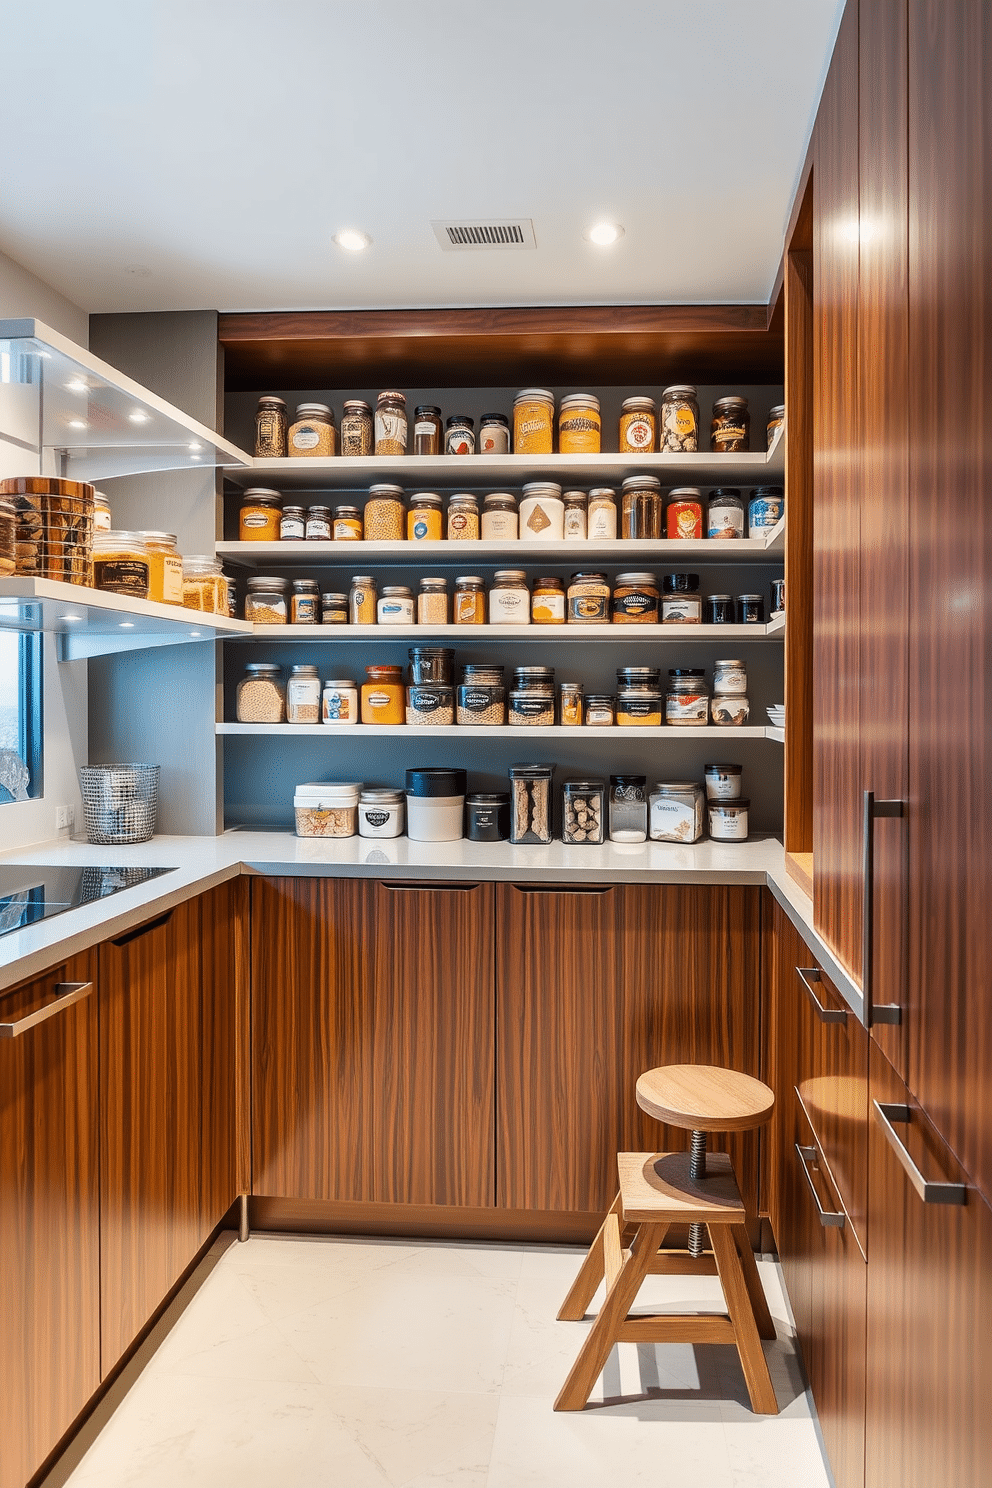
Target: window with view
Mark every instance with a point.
(20, 716)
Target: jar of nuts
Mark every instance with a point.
(583, 811)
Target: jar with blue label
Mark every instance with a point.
(423, 518)
(339, 703)
(725, 514)
(764, 510)
(395, 605)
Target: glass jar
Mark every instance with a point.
(265, 602)
(205, 587)
(481, 696)
(681, 602)
(430, 664)
(720, 609)
(313, 432)
(305, 603)
(574, 521)
(776, 589)
(533, 422)
(381, 812)
(347, 526)
(470, 600)
(640, 709)
(293, 524)
(423, 518)
(487, 816)
(102, 521)
(628, 808)
(730, 710)
(728, 820)
(463, 519)
(730, 676)
(687, 703)
(494, 434)
(356, 428)
(583, 811)
(547, 602)
(570, 705)
(390, 424)
(532, 697)
(395, 606)
(384, 514)
(684, 514)
(271, 426)
(432, 602)
(426, 430)
(327, 809)
(165, 568)
(509, 598)
(750, 609)
(641, 507)
(638, 426)
(383, 698)
(430, 704)
(730, 430)
(530, 803)
(639, 679)
(600, 711)
(635, 599)
(318, 524)
(303, 695)
(764, 510)
(724, 782)
(459, 438)
(258, 519)
(725, 514)
(261, 697)
(499, 517)
(542, 512)
(120, 564)
(362, 600)
(334, 609)
(601, 516)
(588, 599)
(339, 701)
(676, 811)
(580, 425)
(776, 421)
(8, 538)
(679, 420)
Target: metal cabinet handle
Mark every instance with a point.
(886, 1113)
(829, 1218)
(427, 887)
(69, 992)
(125, 940)
(808, 975)
(886, 1012)
(571, 889)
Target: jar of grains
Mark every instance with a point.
(628, 808)
(463, 519)
(347, 525)
(258, 519)
(265, 602)
(601, 520)
(318, 524)
(530, 815)
(499, 517)
(730, 430)
(494, 434)
(509, 598)
(271, 426)
(303, 695)
(533, 420)
(8, 538)
(356, 427)
(430, 704)
(574, 520)
(579, 425)
(640, 709)
(460, 436)
(588, 599)
(432, 602)
(776, 421)
(362, 600)
(383, 695)
(390, 424)
(470, 600)
(687, 703)
(305, 603)
(681, 602)
(165, 568)
(679, 420)
(532, 697)
(381, 812)
(542, 512)
(635, 599)
(430, 663)
(684, 514)
(599, 710)
(583, 817)
(570, 704)
(326, 809)
(339, 702)
(423, 518)
(204, 585)
(676, 811)
(725, 514)
(395, 605)
(547, 602)
(482, 696)
(261, 697)
(639, 679)
(426, 430)
(334, 609)
(120, 563)
(638, 426)
(384, 514)
(293, 524)
(641, 507)
(313, 432)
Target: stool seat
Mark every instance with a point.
(702, 1097)
(657, 1186)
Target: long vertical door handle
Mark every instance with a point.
(886, 1012)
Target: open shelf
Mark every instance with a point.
(778, 734)
(473, 635)
(499, 731)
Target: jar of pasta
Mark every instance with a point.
(356, 427)
(121, 564)
(684, 515)
(641, 500)
(395, 605)
(499, 517)
(635, 599)
(265, 602)
(574, 519)
(390, 424)
(362, 600)
(470, 600)
(426, 430)
(494, 434)
(509, 598)
(261, 696)
(165, 568)
(305, 602)
(423, 518)
(463, 519)
(383, 695)
(318, 524)
(679, 420)
(334, 609)
(432, 602)
(384, 514)
(313, 432)
(542, 512)
(259, 518)
(730, 430)
(204, 585)
(347, 524)
(459, 437)
(601, 518)
(579, 425)
(271, 425)
(547, 602)
(588, 599)
(533, 421)
(303, 695)
(638, 426)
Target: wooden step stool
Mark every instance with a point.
(658, 1190)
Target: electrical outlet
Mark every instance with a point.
(65, 818)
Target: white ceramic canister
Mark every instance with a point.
(435, 804)
(542, 513)
(728, 820)
(395, 606)
(340, 701)
(381, 813)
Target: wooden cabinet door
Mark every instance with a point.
(929, 1304)
(150, 1110)
(49, 1217)
(225, 1169)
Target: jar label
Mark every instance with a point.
(685, 420)
(494, 440)
(304, 611)
(306, 438)
(637, 605)
(460, 520)
(347, 529)
(603, 521)
(172, 580)
(578, 424)
(639, 434)
(424, 427)
(460, 442)
(726, 521)
(732, 435)
(256, 519)
(640, 707)
(672, 820)
(589, 609)
(764, 512)
(378, 699)
(687, 707)
(318, 530)
(538, 519)
(421, 529)
(526, 427)
(532, 707)
(599, 715)
(122, 575)
(476, 700)
(395, 612)
(575, 521)
(508, 605)
(729, 679)
(338, 707)
(685, 520)
(728, 823)
(549, 608)
(681, 609)
(425, 701)
(292, 529)
(373, 818)
(390, 427)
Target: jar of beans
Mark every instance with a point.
(356, 428)
(312, 433)
(463, 519)
(271, 425)
(259, 518)
(579, 425)
(261, 696)
(265, 602)
(384, 514)
(432, 602)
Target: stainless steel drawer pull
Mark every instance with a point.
(875, 1012)
(887, 1114)
(69, 992)
(829, 1218)
(808, 975)
(563, 889)
(429, 886)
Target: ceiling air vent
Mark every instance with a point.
(512, 233)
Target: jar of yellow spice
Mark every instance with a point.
(204, 585)
(165, 568)
(533, 422)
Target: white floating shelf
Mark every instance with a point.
(472, 635)
(778, 734)
(463, 731)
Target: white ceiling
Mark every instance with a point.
(191, 154)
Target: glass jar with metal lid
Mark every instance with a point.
(481, 696)
(258, 519)
(390, 423)
(574, 521)
(676, 810)
(730, 709)
(271, 425)
(728, 820)
(312, 433)
(463, 519)
(470, 600)
(533, 421)
(334, 609)
(583, 817)
(542, 512)
(638, 426)
(687, 702)
(725, 514)
(318, 524)
(430, 704)
(639, 679)
(547, 602)
(628, 814)
(720, 609)
(305, 603)
(588, 599)
(384, 514)
(432, 602)
(356, 427)
(430, 663)
(776, 421)
(205, 586)
(730, 430)
(266, 602)
(635, 599)
(293, 524)
(600, 711)
(459, 438)
(509, 598)
(640, 709)
(303, 695)
(579, 425)
(261, 696)
(362, 600)
(730, 676)
(681, 602)
(601, 516)
(499, 517)
(347, 524)
(427, 430)
(423, 518)
(395, 606)
(750, 609)
(641, 507)
(684, 514)
(532, 697)
(494, 434)
(165, 568)
(571, 707)
(679, 420)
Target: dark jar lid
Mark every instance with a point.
(762, 492)
(712, 769)
(430, 650)
(627, 780)
(686, 672)
(531, 772)
(680, 583)
(722, 494)
(428, 780)
(460, 421)
(732, 404)
(488, 798)
(426, 410)
(494, 418)
(729, 804)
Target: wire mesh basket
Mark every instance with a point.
(120, 802)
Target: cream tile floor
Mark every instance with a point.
(336, 1363)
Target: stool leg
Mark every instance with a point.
(753, 1361)
(697, 1169)
(602, 1335)
(759, 1302)
(594, 1267)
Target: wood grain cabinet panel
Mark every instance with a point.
(49, 1219)
(224, 1048)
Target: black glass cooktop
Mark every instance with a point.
(29, 893)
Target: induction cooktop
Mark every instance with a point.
(30, 892)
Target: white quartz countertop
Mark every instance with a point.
(200, 863)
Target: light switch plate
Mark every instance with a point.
(65, 818)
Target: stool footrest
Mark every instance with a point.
(681, 1263)
(667, 1327)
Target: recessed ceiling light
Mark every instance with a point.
(77, 423)
(127, 625)
(138, 417)
(196, 446)
(76, 386)
(73, 618)
(603, 233)
(195, 634)
(351, 240)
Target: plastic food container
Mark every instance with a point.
(326, 808)
(530, 803)
(583, 811)
(676, 811)
(435, 804)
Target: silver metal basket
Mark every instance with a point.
(120, 802)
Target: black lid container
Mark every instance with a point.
(487, 816)
(428, 780)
